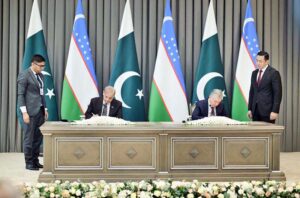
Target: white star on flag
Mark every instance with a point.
(139, 94)
(50, 93)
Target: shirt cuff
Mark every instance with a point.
(23, 109)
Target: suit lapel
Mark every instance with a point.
(99, 104)
(264, 77)
(206, 107)
(32, 75)
(111, 108)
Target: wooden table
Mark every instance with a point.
(161, 150)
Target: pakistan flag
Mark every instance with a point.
(125, 77)
(210, 70)
(35, 44)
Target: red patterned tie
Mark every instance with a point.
(259, 77)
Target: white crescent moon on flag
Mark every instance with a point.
(247, 20)
(119, 83)
(45, 73)
(203, 81)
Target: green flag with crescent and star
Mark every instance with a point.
(210, 70)
(125, 77)
(35, 44)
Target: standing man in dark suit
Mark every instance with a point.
(211, 107)
(265, 91)
(33, 107)
(105, 106)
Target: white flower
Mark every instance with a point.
(297, 195)
(190, 195)
(157, 193)
(280, 190)
(193, 186)
(215, 188)
(52, 195)
(289, 189)
(220, 195)
(120, 185)
(145, 195)
(57, 181)
(35, 194)
(39, 185)
(72, 191)
(240, 192)
(142, 185)
(166, 194)
(113, 189)
(271, 189)
(133, 195)
(201, 190)
(78, 193)
(149, 187)
(259, 191)
(51, 188)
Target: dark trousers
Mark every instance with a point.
(258, 117)
(33, 138)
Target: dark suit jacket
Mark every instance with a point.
(201, 110)
(29, 92)
(95, 107)
(267, 96)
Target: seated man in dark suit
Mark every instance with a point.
(211, 107)
(105, 106)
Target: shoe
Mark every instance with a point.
(38, 165)
(31, 167)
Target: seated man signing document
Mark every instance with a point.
(213, 106)
(105, 106)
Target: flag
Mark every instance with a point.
(168, 100)
(246, 64)
(210, 69)
(125, 77)
(35, 44)
(80, 83)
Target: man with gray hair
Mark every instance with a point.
(213, 106)
(106, 105)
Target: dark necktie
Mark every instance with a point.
(41, 87)
(259, 77)
(104, 110)
(213, 111)
(39, 80)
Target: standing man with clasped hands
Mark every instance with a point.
(265, 91)
(33, 107)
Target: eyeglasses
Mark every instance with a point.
(42, 66)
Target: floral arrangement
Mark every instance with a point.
(216, 120)
(103, 120)
(162, 188)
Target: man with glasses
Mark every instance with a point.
(32, 103)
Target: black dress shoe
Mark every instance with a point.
(31, 167)
(38, 165)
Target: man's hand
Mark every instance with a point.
(26, 118)
(249, 114)
(46, 115)
(273, 116)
